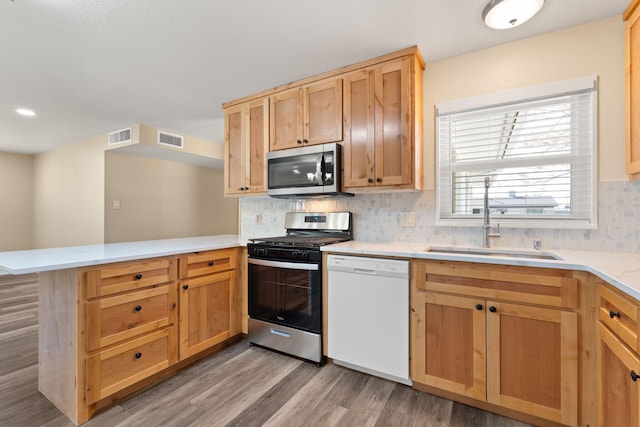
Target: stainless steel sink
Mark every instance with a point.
(493, 252)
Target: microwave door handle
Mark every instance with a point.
(323, 171)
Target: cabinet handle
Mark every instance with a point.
(378, 179)
(210, 264)
(305, 140)
(493, 309)
(613, 314)
(370, 180)
(138, 355)
(137, 308)
(299, 142)
(185, 287)
(478, 306)
(137, 276)
(634, 376)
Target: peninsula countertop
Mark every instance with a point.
(39, 260)
(621, 269)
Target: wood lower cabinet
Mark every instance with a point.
(632, 21)
(617, 357)
(491, 349)
(108, 331)
(308, 115)
(209, 300)
(246, 144)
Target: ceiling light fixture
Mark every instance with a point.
(503, 14)
(25, 112)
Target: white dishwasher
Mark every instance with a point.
(368, 322)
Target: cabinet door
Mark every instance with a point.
(234, 166)
(323, 112)
(617, 392)
(393, 138)
(633, 87)
(449, 347)
(257, 145)
(532, 360)
(207, 312)
(286, 120)
(358, 148)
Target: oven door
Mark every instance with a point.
(286, 293)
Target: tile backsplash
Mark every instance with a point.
(377, 219)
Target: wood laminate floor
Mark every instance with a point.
(238, 386)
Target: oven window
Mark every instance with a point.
(285, 296)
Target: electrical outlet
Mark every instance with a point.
(407, 219)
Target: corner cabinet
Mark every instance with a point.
(383, 126)
(617, 358)
(632, 29)
(308, 115)
(246, 143)
(497, 334)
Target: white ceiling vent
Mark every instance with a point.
(168, 139)
(120, 136)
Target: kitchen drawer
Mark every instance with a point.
(619, 313)
(201, 263)
(117, 318)
(124, 277)
(541, 286)
(116, 368)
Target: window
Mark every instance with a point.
(536, 145)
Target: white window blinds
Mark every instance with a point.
(538, 151)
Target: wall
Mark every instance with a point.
(592, 49)
(16, 188)
(161, 199)
(68, 195)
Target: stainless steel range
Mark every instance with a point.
(285, 283)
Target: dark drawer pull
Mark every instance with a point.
(210, 263)
(137, 308)
(613, 314)
(138, 355)
(370, 180)
(478, 306)
(493, 309)
(185, 287)
(137, 276)
(634, 376)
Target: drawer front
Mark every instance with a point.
(619, 313)
(201, 263)
(124, 277)
(114, 369)
(114, 319)
(531, 285)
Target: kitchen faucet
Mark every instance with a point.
(486, 227)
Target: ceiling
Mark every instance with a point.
(89, 67)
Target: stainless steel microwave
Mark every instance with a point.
(312, 171)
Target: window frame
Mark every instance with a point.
(531, 93)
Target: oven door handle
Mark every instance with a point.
(281, 264)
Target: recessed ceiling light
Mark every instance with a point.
(25, 112)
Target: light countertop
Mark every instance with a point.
(39, 260)
(621, 269)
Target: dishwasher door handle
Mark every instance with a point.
(364, 271)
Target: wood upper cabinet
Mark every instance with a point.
(632, 18)
(513, 355)
(246, 143)
(383, 126)
(311, 114)
(209, 312)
